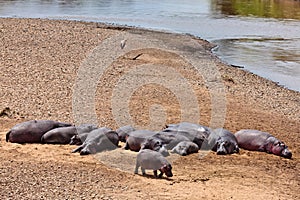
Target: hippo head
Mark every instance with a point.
(75, 140)
(156, 145)
(281, 149)
(180, 149)
(225, 147)
(167, 169)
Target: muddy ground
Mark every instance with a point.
(39, 65)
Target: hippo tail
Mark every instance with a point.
(7, 136)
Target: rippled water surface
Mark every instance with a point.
(261, 36)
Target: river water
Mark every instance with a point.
(261, 36)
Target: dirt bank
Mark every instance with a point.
(39, 65)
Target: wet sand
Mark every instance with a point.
(39, 64)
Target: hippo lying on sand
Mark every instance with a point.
(149, 159)
(185, 148)
(194, 132)
(223, 142)
(63, 135)
(124, 131)
(98, 140)
(143, 139)
(170, 139)
(255, 140)
(32, 131)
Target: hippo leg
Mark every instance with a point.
(126, 147)
(160, 174)
(136, 171)
(77, 149)
(143, 171)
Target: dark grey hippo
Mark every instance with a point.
(170, 139)
(124, 131)
(143, 139)
(153, 160)
(135, 139)
(185, 148)
(223, 142)
(32, 131)
(98, 140)
(195, 132)
(255, 140)
(63, 135)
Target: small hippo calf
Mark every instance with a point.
(255, 140)
(185, 148)
(153, 160)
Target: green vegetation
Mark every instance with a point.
(284, 9)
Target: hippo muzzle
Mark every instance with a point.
(286, 153)
(167, 169)
(221, 150)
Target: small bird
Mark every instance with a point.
(123, 43)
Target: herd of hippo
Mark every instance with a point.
(183, 138)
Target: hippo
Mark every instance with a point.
(223, 142)
(124, 131)
(170, 139)
(142, 139)
(98, 140)
(195, 132)
(32, 131)
(135, 139)
(185, 148)
(149, 159)
(63, 135)
(255, 140)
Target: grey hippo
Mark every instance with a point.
(255, 140)
(153, 160)
(223, 142)
(63, 135)
(98, 140)
(32, 131)
(143, 139)
(195, 132)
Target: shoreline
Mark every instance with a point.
(116, 26)
(38, 70)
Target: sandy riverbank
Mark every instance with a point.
(39, 64)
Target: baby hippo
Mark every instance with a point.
(185, 148)
(149, 159)
(255, 140)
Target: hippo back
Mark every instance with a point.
(252, 140)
